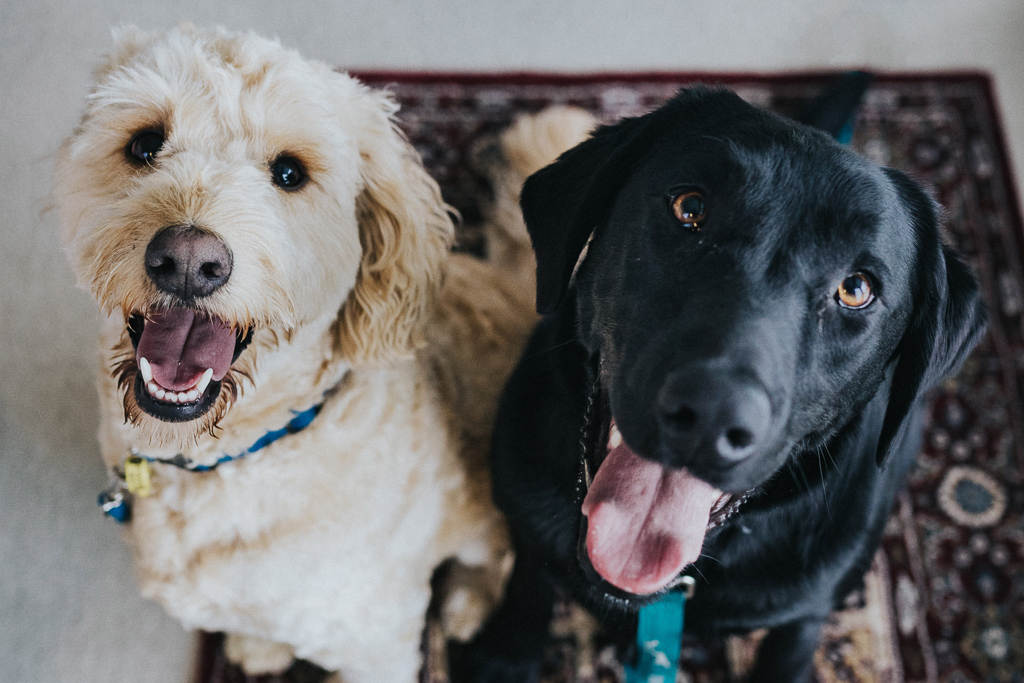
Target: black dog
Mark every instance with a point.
(736, 360)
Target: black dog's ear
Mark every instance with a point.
(564, 202)
(947, 321)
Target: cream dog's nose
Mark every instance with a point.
(187, 262)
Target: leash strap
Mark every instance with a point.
(659, 636)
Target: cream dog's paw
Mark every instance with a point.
(256, 655)
(470, 595)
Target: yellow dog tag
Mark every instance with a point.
(136, 476)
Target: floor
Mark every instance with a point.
(69, 609)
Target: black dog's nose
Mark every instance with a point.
(706, 412)
(187, 262)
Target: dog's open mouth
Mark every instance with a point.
(644, 523)
(182, 356)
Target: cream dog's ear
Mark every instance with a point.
(406, 233)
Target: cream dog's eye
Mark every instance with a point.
(855, 291)
(288, 173)
(144, 146)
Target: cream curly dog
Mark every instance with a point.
(290, 354)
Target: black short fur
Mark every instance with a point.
(659, 315)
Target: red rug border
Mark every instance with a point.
(528, 77)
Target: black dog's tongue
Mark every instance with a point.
(180, 345)
(645, 522)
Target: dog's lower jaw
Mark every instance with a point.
(181, 411)
(179, 427)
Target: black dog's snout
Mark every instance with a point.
(707, 414)
(187, 262)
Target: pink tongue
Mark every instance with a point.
(644, 522)
(181, 345)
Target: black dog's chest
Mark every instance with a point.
(749, 578)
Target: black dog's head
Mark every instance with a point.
(748, 286)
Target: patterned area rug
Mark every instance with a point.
(945, 598)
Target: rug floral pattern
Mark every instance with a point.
(944, 600)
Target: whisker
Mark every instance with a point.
(800, 476)
(552, 348)
(824, 492)
(829, 453)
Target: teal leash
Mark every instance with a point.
(659, 637)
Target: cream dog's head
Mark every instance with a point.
(221, 191)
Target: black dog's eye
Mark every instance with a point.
(855, 291)
(144, 146)
(288, 173)
(688, 208)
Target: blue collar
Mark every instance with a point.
(297, 424)
(115, 501)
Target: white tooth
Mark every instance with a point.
(182, 397)
(615, 440)
(159, 393)
(204, 381)
(147, 372)
(170, 397)
(152, 388)
(192, 395)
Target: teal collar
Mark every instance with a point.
(296, 424)
(115, 501)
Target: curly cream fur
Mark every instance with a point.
(321, 545)
(400, 267)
